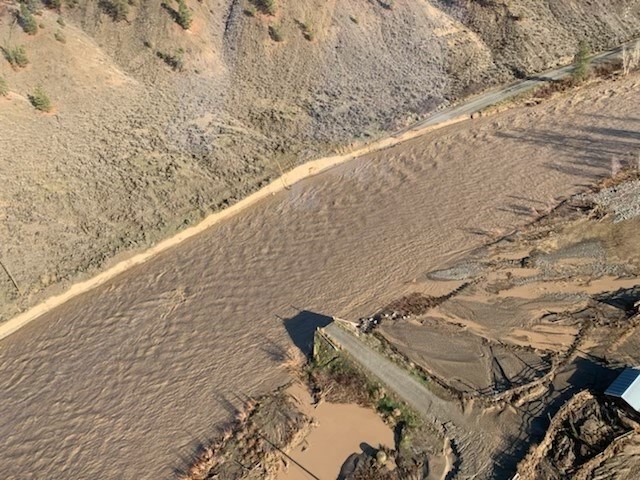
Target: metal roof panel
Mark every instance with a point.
(623, 384)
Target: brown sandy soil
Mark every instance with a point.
(135, 151)
(166, 347)
(468, 362)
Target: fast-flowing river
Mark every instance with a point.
(127, 380)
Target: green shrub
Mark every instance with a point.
(307, 31)
(54, 4)
(4, 87)
(390, 407)
(59, 36)
(116, 9)
(61, 22)
(250, 11)
(183, 17)
(276, 33)
(40, 100)
(32, 5)
(16, 56)
(581, 63)
(266, 6)
(174, 60)
(26, 20)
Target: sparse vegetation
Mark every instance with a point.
(307, 31)
(581, 63)
(261, 428)
(4, 87)
(266, 6)
(53, 4)
(59, 36)
(26, 20)
(329, 368)
(251, 10)
(61, 22)
(398, 410)
(630, 59)
(116, 9)
(16, 56)
(40, 100)
(174, 60)
(183, 16)
(275, 32)
(387, 4)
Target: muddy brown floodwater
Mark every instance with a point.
(340, 429)
(127, 380)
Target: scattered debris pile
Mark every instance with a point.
(618, 196)
(250, 448)
(584, 429)
(373, 463)
(403, 308)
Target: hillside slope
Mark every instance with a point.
(154, 126)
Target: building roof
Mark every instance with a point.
(627, 387)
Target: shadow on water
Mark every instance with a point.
(589, 153)
(587, 373)
(586, 153)
(301, 328)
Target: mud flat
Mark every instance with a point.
(164, 350)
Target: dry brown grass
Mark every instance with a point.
(293, 361)
(413, 304)
(626, 175)
(583, 428)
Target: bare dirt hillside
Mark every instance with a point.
(154, 125)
